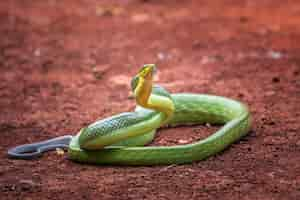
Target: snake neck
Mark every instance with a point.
(161, 104)
(148, 98)
(143, 92)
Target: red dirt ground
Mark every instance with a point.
(65, 64)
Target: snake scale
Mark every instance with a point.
(120, 139)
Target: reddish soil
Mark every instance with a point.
(65, 64)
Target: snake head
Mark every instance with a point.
(141, 84)
(146, 73)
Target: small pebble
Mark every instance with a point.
(161, 56)
(270, 93)
(274, 54)
(140, 18)
(37, 52)
(183, 141)
(26, 185)
(98, 74)
(60, 151)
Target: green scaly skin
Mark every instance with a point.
(120, 140)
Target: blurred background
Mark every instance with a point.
(65, 64)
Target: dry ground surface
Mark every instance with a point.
(65, 64)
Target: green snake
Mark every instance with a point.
(120, 139)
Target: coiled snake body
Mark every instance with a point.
(120, 139)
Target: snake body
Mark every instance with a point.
(120, 140)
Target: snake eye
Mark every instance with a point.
(143, 70)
